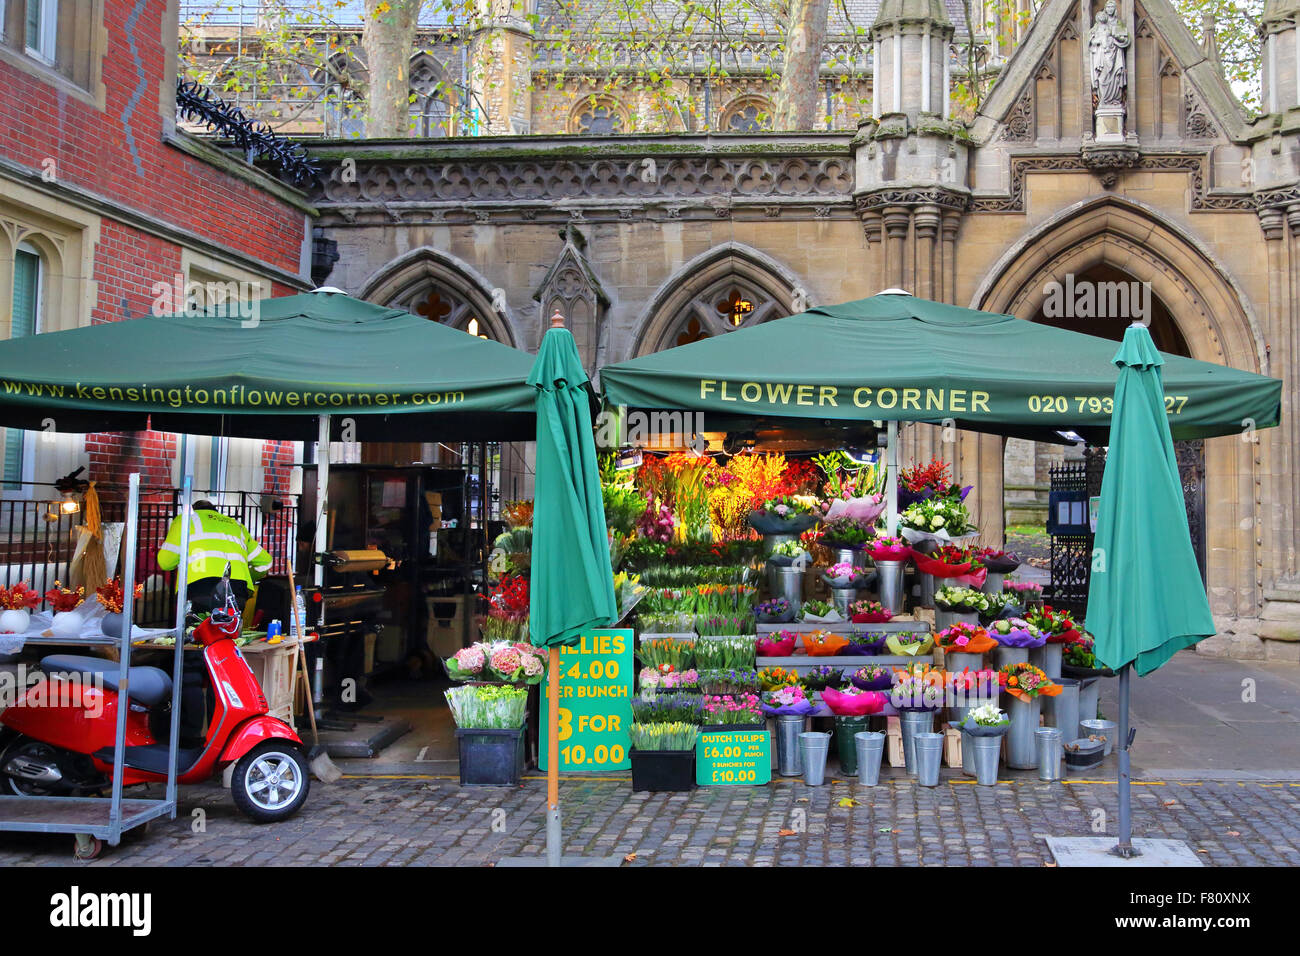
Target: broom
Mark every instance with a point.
(317, 758)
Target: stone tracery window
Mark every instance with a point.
(438, 303)
(724, 306)
(598, 116)
(430, 100)
(747, 114)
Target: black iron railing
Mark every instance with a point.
(38, 545)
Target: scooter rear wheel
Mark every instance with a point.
(270, 782)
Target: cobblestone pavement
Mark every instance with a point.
(372, 821)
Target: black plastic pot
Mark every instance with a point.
(661, 771)
(490, 758)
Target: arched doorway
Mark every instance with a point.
(1196, 310)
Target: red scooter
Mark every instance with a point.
(59, 739)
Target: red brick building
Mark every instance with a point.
(105, 203)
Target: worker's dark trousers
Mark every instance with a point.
(194, 673)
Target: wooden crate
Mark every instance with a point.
(273, 666)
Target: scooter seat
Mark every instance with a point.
(148, 685)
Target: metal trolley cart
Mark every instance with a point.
(95, 820)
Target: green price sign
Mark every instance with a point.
(730, 757)
(595, 703)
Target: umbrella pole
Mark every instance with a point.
(553, 845)
(1125, 846)
(891, 477)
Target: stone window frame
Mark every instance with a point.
(80, 42)
(588, 104)
(739, 107)
(65, 237)
(439, 91)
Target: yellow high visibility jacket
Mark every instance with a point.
(215, 539)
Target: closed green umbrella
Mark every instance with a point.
(572, 585)
(1146, 599)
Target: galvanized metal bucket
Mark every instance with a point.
(985, 755)
(815, 746)
(1051, 750)
(1022, 754)
(871, 749)
(929, 752)
(914, 722)
(889, 579)
(789, 757)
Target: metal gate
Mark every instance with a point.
(1071, 555)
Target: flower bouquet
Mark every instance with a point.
(821, 677)
(845, 575)
(660, 736)
(1058, 626)
(111, 595)
(733, 710)
(790, 700)
(487, 707)
(497, 662)
(873, 677)
(864, 509)
(821, 643)
(64, 603)
(959, 564)
(819, 612)
(922, 482)
(918, 690)
(1026, 682)
(910, 643)
(666, 654)
(853, 701)
(774, 678)
(787, 552)
(865, 643)
(888, 548)
(962, 638)
(967, 685)
(650, 680)
(847, 532)
(722, 682)
(776, 611)
(787, 514)
(936, 519)
(1079, 660)
(1016, 632)
(16, 606)
(986, 720)
(1026, 592)
(725, 652)
(1001, 604)
(669, 708)
(997, 561)
(869, 612)
(961, 600)
(779, 645)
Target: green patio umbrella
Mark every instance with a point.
(1146, 599)
(572, 584)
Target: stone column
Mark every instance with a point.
(927, 220)
(948, 258)
(897, 219)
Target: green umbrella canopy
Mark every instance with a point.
(1146, 600)
(572, 585)
(268, 376)
(908, 359)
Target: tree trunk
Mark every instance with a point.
(798, 98)
(388, 37)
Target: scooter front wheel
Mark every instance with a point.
(270, 782)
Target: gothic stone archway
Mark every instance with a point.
(1210, 316)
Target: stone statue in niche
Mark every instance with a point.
(1108, 45)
